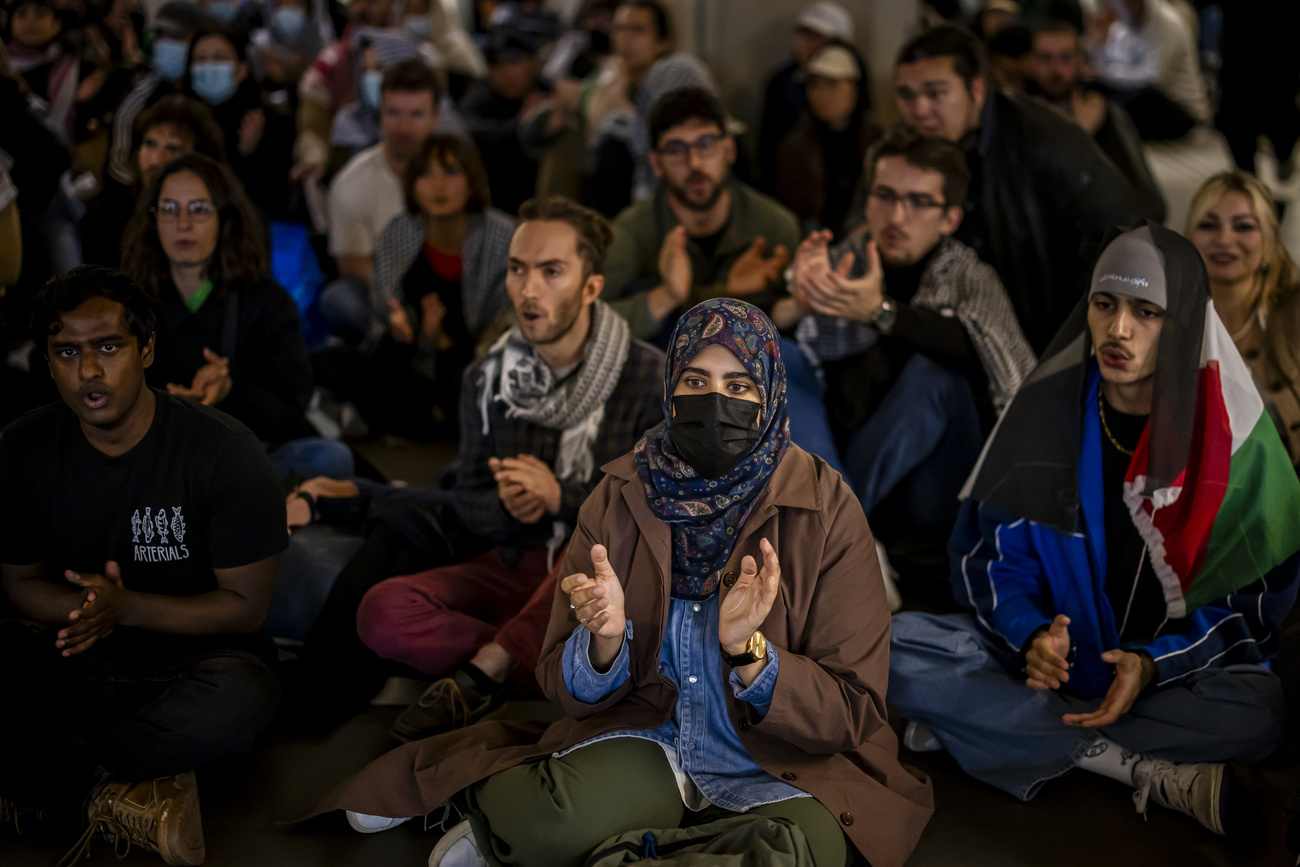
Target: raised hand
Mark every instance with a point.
(597, 603)
(211, 383)
(747, 603)
(675, 265)
(251, 129)
(399, 324)
(754, 271)
(431, 315)
(811, 264)
(857, 299)
(1045, 661)
(101, 608)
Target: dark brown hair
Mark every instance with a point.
(240, 259)
(925, 152)
(594, 231)
(969, 59)
(186, 115)
(451, 152)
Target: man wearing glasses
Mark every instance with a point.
(916, 339)
(702, 234)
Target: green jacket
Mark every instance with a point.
(632, 264)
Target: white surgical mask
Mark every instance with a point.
(223, 10)
(170, 57)
(214, 80)
(287, 21)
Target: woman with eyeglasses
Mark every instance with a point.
(228, 334)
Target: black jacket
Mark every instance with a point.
(1042, 196)
(269, 367)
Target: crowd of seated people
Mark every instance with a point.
(706, 386)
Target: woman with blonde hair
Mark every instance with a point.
(1256, 288)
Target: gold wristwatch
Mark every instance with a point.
(755, 649)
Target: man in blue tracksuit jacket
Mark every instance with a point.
(1072, 653)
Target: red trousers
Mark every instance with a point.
(437, 620)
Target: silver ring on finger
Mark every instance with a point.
(582, 620)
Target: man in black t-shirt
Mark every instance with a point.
(139, 538)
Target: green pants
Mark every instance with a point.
(554, 812)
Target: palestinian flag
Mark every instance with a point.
(1233, 513)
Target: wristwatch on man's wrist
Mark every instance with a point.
(883, 316)
(755, 649)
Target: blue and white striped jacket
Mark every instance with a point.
(1015, 576)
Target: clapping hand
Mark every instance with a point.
(211, 383)
(101, 609)
(754, 271)
(835, 294)
(748, 602)
(527, 487)
(1133, 671)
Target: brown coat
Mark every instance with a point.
(826, 731)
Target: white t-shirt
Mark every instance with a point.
(363, 197)
(1161, 53)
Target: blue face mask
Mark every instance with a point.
(170, 57)
(417, 27)
(223, 10)
(370, 82)
(287, 21)
(213, 80)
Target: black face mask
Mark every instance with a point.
(713, 432)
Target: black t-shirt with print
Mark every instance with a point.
(197, 493)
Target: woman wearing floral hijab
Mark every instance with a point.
(718, 642)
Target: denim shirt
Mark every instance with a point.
(700, 736)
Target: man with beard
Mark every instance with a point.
(1041, 195)
(562, 393)
(1055, 74)
(367, 191)
(702, 234)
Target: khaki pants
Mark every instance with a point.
(555, 812)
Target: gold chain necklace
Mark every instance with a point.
(1101, 407)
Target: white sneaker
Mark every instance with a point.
(365, 824)
(1199, 790)
(890, 574)
(457, 848)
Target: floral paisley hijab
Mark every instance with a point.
(706, 515)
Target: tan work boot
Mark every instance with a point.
(159, 815)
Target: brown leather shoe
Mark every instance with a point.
(159, 815)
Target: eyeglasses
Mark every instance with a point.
(169, 210)
(680, 151)
(912, 202)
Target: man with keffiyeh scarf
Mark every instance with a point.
(561, 393)
(1126, 554)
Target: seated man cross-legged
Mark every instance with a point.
(1129, 547)
(916, 340)
(562, 393)
(139, 537)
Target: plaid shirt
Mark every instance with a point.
(635, 406)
